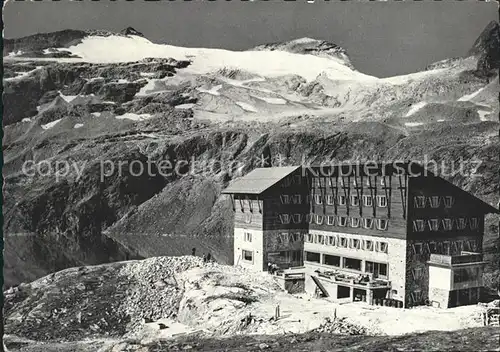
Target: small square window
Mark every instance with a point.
(319, 219)
(331, 240)
(330, 199)
(247, 237)
(354, 200)
(449, 201)
(247, 256)
(367, 201)
(330, 220)
(367, 223)
(382, 201)
(419, 201)
(318, 198)
(474, 224)
(382, 224)
(418, 225)
(434, 224)
(368, 245)
(342, 200)
(342, 221)
(354, 222)
(343, 242)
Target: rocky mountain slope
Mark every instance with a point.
(119, 100)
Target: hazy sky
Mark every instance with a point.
(382, 38)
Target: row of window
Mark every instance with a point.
(447, 224)
(354, 200)
(375, 268)
(444, 247)
(343, 221)
(322, 182)
(433, 201)
(344, 242)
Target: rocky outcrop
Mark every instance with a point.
(309, 46)
(487, 49)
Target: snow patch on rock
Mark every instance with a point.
(246, 107)
(415, 107)
(134, 117)
(211, 91)
(469, 97)
(274, 101)
(50, 124)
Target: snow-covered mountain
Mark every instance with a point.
(97, 95)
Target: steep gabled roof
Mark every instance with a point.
(259, 180)
(481, 204)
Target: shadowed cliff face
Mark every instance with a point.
(487, 48)
(156, 111)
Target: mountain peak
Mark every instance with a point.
(131, 31)
(487, 48)
(309, 46)
(490, 36)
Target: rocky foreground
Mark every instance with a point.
(179, 303)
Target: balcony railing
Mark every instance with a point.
(346, 279)
(465, 257)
